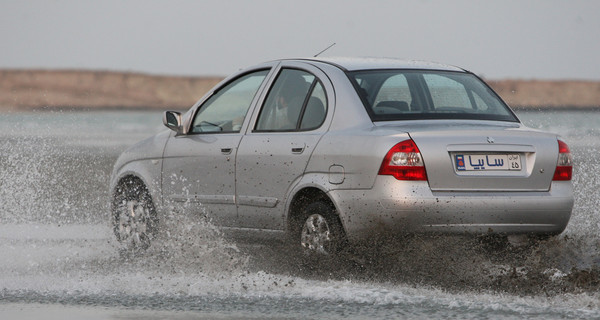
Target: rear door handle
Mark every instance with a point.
(226, 150)
(298, 150)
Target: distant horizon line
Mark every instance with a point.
(199, 75)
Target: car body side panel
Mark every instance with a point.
(199, 175)
(358, 153)
(267, 167)
(144, 161)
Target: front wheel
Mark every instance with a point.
(134, 216)
(321, 232)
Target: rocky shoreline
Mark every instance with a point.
(23, 90)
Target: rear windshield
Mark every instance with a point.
(423, 94)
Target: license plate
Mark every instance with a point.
(487, 162)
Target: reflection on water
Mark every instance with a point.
(57, 247)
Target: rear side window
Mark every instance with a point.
(315, 110)
(296, 101)
(411, 94)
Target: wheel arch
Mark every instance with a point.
(131, 179)
(301, 198)
(143, 172)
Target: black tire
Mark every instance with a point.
(134, 216)
(319, 231)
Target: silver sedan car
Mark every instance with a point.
(330, 152)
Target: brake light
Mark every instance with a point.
(564, 165)
(404, 162)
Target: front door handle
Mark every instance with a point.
(298, 148)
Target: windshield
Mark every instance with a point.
(426, 94)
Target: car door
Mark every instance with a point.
(274, 153)
(199, 166)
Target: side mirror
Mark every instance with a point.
(172, 120)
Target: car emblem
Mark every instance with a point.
(490, 140)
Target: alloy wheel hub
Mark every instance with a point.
(133, 223)
(316, 235)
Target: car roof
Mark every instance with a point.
(371, 63)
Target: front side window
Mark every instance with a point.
(225, 110)
(296, 101)
(427, 94)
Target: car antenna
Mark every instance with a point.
(316, 55)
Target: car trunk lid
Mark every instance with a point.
(472, 157)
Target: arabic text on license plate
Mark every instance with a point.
(485, 162)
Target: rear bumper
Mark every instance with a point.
(395, 207)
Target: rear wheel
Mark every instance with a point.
(134, 216)
(320, 232)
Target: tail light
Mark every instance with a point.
(564, 165)
(404, 162)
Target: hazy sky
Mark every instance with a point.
(496, 39)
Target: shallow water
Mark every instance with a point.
(58, 255)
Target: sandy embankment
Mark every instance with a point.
(549, 94)
(71, 89)
(66, 89)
